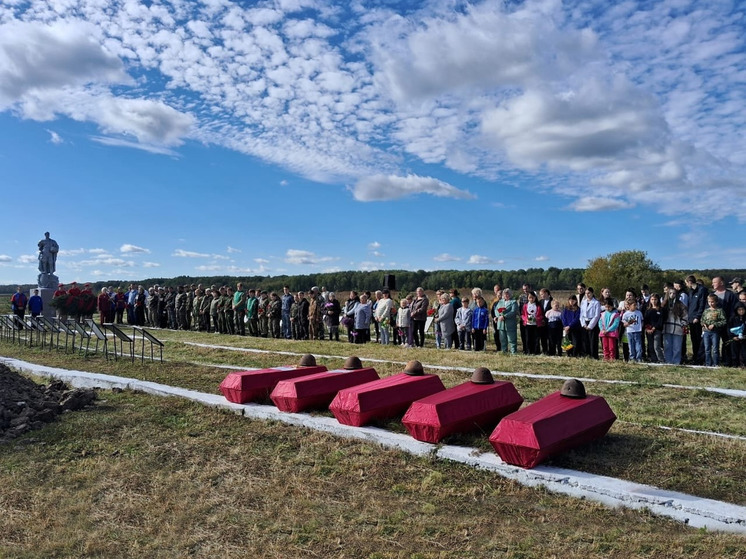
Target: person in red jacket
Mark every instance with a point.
(18, 303)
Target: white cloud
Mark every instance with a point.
(128, 248)
(27, 258)
(97, 251)
(541, 258)
(119, 142)
(391, 187)
(150, 265)
(369, 266)
(304, 257)
(625, 101)
(375, 245)
(478, 259)
(71, 252)
(107, 261)
(232, 250)
(54, 137)
(189, 254)
(595, 204)
(445, 257)
(5, 258)
(261, 260)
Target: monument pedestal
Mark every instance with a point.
(46, 294)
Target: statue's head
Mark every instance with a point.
(46, 234)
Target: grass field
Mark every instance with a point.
(142, 476)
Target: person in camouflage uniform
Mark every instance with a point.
(252, 307)
(239, 309)
(171, 307)
(214, 313)
(262, 309)
(190, 291)
(204, 312)
(230, 324)
(315, 315)
(153, 308)
(196, 305)
(274, 313)
(295, 317)
(181, 308)
(222, 328)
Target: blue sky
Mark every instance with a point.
(298, 136)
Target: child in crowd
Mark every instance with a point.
(654, 329)
(480, 319)
(402, 322)
(713, 319)
(532, 318)
(463, 325)
(609, 330)
(554, 325)
(632, 321)
(737, 332)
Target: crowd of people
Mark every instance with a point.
(643, 326)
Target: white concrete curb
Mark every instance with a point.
(689, 509)
(736, 393)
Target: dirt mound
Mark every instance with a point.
(25, 405)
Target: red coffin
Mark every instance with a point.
(318, 390)
(462, 408)
(247, 386)
(550, 426)
(381, 399)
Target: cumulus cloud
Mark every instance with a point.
(478, 259)
(541, 258)
(232, 250)
(391, 187)
(626, 101)
(305, 257)
(27, 258)
(128, 248)
(5, 258)
(65, 68)
(150, 265)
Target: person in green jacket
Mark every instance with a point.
(239, 309)
(506, 312)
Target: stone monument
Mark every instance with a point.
(48, 282)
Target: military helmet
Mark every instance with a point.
(308, 360)
(482, 375)
(414, 368)
(573, 388)
(353, 362)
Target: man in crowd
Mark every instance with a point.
(697, 304)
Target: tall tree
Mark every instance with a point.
(620, 270)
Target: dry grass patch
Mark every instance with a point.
(635, 449)
(141, 476)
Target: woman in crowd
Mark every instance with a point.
(445, 320)
(507, 322)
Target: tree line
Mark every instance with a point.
(617, 271)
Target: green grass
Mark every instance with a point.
(141, 476)
(159, 477)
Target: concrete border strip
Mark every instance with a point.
(688, 509)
